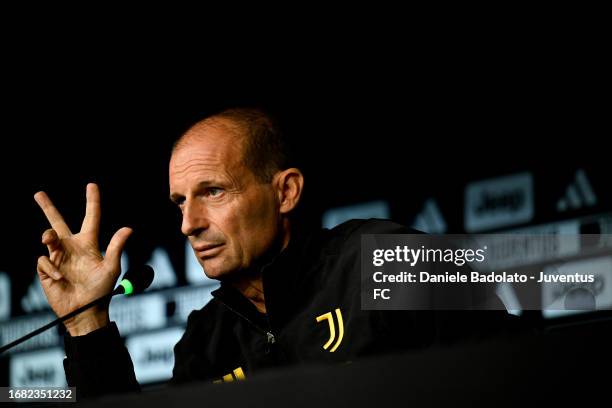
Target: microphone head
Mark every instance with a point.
(136, 280)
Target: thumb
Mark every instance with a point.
(117, 242)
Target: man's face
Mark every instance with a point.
(230, 218)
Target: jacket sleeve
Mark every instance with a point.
(98, 363)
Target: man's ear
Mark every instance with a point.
(289, 184)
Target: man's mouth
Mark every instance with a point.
(207, 251)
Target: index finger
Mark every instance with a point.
(55, 218)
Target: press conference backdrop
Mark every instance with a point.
(153, 322)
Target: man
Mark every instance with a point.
(287, 295)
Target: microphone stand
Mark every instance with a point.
(119, 290)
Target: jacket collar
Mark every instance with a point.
(282, 278)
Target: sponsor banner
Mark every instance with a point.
(42, 368)
(562, 298)
(190, 299)
(139, 313)
(153, 354)
(16, 328)
(518, 249)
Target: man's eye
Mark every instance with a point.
(214, 191)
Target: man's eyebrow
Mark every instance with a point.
(175, 197)
(207, 183)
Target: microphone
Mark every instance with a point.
(134, 281)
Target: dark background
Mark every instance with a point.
(402, 136)
(396, 126)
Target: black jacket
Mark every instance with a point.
(311, 289)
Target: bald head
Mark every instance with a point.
(227, 176)
(261, 144)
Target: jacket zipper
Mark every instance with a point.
(269, 335)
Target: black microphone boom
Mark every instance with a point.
(134, 281)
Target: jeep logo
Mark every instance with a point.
(160, 355)
(499, 202)
(510, 200)
(43, 375)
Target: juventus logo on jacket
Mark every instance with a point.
(332, 329)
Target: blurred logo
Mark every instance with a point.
(153, 354)
(35, 299)
(499, 202)
(430, 219)
(578, 194)
(163, 355)
(139, 313)
(37, 375)
(38, 369)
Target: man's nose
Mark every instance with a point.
(195, 218)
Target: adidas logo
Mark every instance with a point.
(35, 299)
(578, 194)
(430, 219)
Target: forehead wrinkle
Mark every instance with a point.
(211, 146)
(200, 167)
(183, 167)
(205, 151)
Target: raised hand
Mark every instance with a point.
(75, 272)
